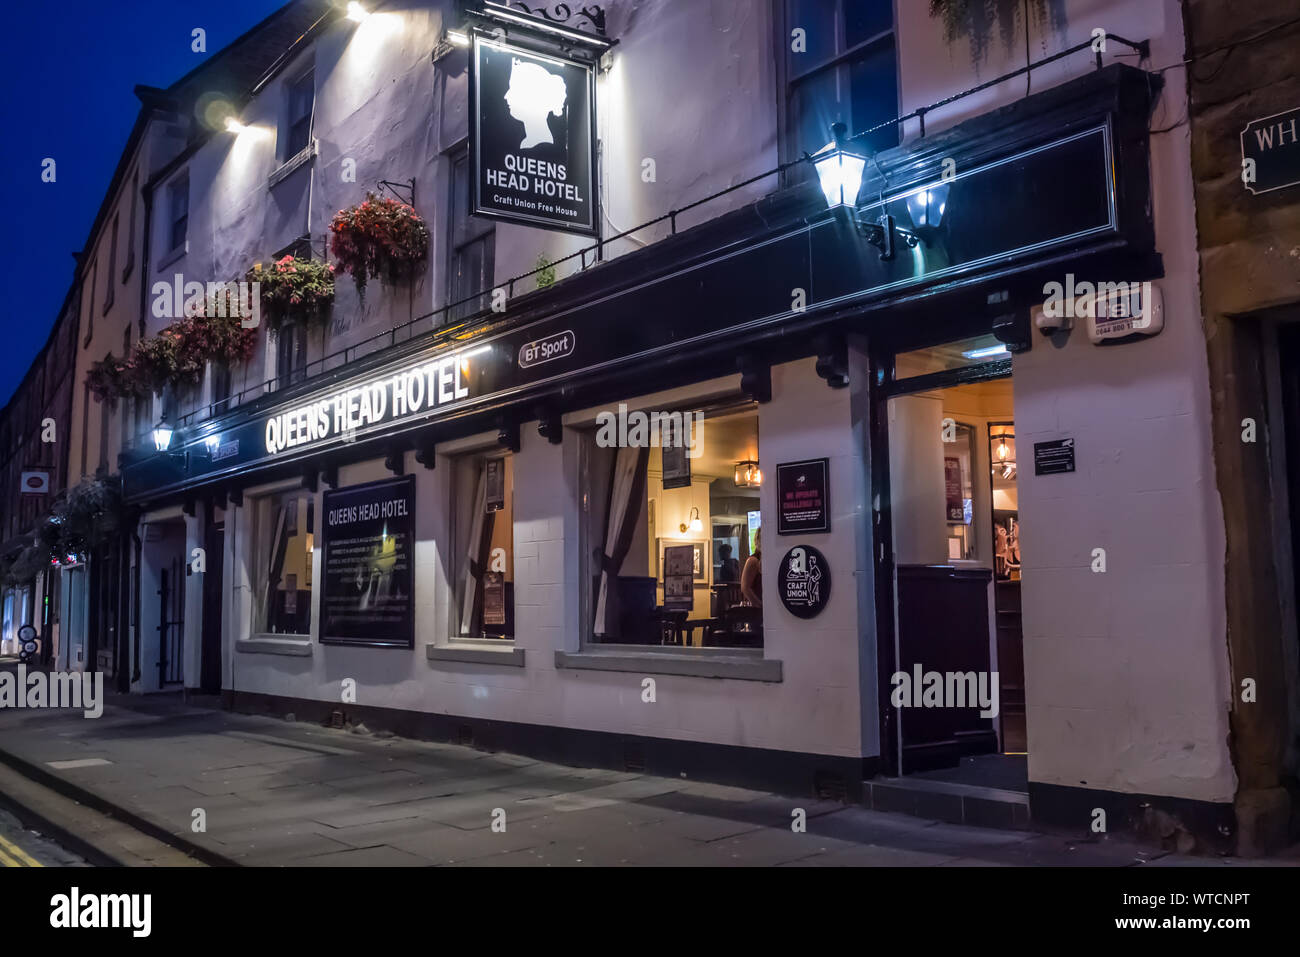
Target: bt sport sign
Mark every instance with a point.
(533, 137)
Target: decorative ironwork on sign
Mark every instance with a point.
(563, 13)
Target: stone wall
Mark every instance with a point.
(1243, 67)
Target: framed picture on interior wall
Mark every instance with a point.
(700, 562)
(677, 467)
(677, 575)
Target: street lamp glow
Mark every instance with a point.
(839, 169)
(457, 38)
(356, 12)
(234, 126)
(162, 436)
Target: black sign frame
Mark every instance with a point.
(1287, 155)
(405, 487)
(785, 526)
(809, 607)
(1055, 457)
(477, 208)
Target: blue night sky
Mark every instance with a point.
(69, 73)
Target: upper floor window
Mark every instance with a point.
(178, 206)
(90, 304)
(290, 353)
(110, 283)
(472, 247)
(840, 67)
(302, 102)
(130, 235)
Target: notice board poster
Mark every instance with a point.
(679, 576)
(803, 497)
(369, 536)
(952, 482)
(532, 137)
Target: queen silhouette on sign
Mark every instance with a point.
(534, 94)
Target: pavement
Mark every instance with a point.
(227, 788)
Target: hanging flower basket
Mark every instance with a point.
(157, 362)
(110, 378)
(212, 337)
(295, 290)
(381, 238)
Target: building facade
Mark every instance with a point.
(436, 510)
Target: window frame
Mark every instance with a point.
(843, 57)
(130, 238)
(463, 233)
(291, 87)
(593, 516)
(254, 502)
(457, 463)
(109, 284)
(178, 186)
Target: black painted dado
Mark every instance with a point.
(1033, 195)
(784, 772)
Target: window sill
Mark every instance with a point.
(703, 663)
(294, 647)
(304, 155)
(477, 653)
(173, 256)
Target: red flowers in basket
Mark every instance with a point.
(379, 238)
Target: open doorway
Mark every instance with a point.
(952, 693)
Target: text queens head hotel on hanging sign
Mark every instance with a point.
(423, 389)
(533, 136)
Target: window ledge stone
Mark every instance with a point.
(476, 654)
(707, 665)
(294, 647)
(286, 168)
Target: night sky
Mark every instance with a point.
(69, 73)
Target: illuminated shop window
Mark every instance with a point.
(483, 553)
(284, 526)
(673, 541)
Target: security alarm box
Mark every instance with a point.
(1126, 311)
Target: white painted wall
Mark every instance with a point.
(1127, 672)
(814, 709)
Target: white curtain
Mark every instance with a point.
(473, 550)
(621, 510)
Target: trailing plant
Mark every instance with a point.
(379, 238)
(295, 289)
(977, 19)
(110, 378)
(157, 362)
(86, 515)
(546, 271)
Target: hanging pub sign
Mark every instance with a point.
(804, 581)
(1270, 152)
(532, 136)
(803, 503)
(369, 537)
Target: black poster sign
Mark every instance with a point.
(496, 484)
(803, 497)
(532, 137)
(804, 581)
(369, 533)
(1054, 458)
(1272, 145)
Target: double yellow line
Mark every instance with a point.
(11, 855)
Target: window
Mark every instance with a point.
(673, 528)
(302, 102)
(90, 304)
(847, 73)
(282, 562)
(130, 236)
(178, 204)
(484, 547)
(290, 354)
(470, 270)
(109, 283)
